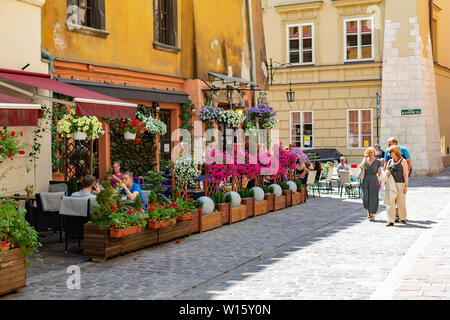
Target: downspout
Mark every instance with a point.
(48, 58)
(430, 21)
(252, 46)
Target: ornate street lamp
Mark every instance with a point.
(290, 95)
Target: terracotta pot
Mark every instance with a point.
(185, 217)
(120, 233)
(154, 224)
(6, 246)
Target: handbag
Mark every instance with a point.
(362, 173)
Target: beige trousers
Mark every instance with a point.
(400, 201)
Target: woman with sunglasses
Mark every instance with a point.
(398, 168)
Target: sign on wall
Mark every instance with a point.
(408, 112)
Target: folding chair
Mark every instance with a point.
(344, 182)
(327, 182)
(310, 182)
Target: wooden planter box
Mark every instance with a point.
(178, 230)
(225, 208)
(297, 198)
(270, 201)
(211, 221)
(250, 203)
(99, 246)
(13, 275)
(304, 194)
(194, 224)
(288, 195)
(279, 203)
(261, 207)
(238, 213)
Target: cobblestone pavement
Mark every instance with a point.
(324, 249)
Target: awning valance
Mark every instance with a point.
(322, 154)
(131, 92)
(88, 102)
(17, 112)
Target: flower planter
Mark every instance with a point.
(194, 223)
(297, 198)
(279, 203)
(6, 246)
(12, 271)
(304, 194)
(185, 217)
(129, 136)
(225, 208)
(288, 195)
(261, 207)
(173, 231)
(79, 135)
(120, 233)
(211, 221)
(270, 201)
(238, 213)
(250, 203)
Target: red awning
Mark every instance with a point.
(16, 112)
(88, 103)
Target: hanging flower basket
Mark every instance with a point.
(129, 136)
(80, 135)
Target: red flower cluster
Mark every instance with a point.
(130, 211)
(173, 205)
(3, 243)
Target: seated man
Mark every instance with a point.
(131, 189)
(90, 189)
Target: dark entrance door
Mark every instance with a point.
(165, 147)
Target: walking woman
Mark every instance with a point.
(370, 184)
(397, 166)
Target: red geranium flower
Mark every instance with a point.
(13, 133)
(112, 208)
(138, 141)
(130, 211)
(154, 201)
(187, 195)
(3, 138)
(9, 155)
(21, 133)
(199, 210)
(190, 200)
(118, 206)
(139, 209)
(3, 243)
(21, 152)
(177, 194)
(178, 241)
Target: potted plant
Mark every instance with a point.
(161, 216)
(130, 128)
(186, 173)
(126, 220)
(287, 193)
(248, 200)
(223, 206)
(231, 118)
(18, 242)
(82, 127)
(270, 197)
(297, 195)
(10, 146)
(152, 125)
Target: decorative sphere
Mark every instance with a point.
(292, 186)
(258, 194)
(235, 199)
(208, 205)
(276, 190)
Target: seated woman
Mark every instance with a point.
(117, 176)
(131, 189)
(302, 171)
(318, 169)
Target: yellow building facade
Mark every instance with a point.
(165, 47)
(332, 53)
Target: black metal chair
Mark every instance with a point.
(47, 220)
(74, 225)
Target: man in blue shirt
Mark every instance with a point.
(131, 189)
(403, 150)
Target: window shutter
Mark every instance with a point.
(156, 20)
(100, 19)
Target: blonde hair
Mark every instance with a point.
(307, 164)
(369, 150)
(396, 150)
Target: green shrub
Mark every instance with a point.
(228, 198)
(271, 189)
(218, 198)
(298, 183)
(284, 186)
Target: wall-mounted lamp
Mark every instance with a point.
(290, 95)
(240, 109)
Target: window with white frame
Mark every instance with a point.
(300, 43)
(302, 129)
(359, 43)
(359, 128)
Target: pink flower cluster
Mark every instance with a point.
(243, 164)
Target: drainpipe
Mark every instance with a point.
(48, 58)
(252, 46)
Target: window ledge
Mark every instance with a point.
(161, 46)
(86, 30)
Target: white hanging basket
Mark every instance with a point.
(129, 136)
(79, 135)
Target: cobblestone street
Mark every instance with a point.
(324, 249)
